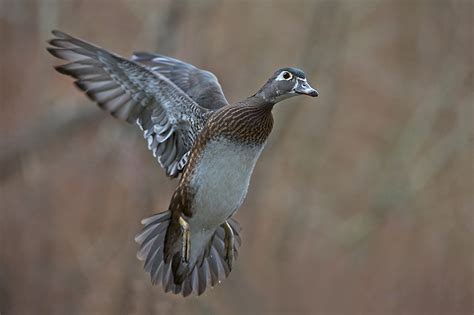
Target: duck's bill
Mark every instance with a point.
(304, 88)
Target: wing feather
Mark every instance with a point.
(169, 118)
(201, 85)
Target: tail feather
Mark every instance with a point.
(207, 271)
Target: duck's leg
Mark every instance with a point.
(228, 243)
(186, 236)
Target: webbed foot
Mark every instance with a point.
(228, 243)
(186, 237)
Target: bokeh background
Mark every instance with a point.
(362, 202)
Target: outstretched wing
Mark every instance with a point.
(169, 118)
(201, 85)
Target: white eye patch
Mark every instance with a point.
(284, 76)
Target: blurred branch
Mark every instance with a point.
(47, 19)
(403, 167)
(447, 147)
(54, 127)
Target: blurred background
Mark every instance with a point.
(361, 203)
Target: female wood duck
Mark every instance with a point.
(193, 131)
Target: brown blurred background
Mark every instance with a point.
(362, 202)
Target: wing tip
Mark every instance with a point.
(61, 69)
(54, 51)
(80, 85)
(59, 34)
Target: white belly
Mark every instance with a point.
(221, 181)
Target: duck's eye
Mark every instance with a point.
(287, 75)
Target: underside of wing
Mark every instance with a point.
(201, 85)
(169, 118)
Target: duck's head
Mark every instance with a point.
(286, 83)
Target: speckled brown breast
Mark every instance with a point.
(242, 123)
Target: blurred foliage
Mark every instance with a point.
(362, 201)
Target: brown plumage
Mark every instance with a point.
(193, 131)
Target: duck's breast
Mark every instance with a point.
(221, 179)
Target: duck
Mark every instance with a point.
(198, 137)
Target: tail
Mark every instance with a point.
(209, 270)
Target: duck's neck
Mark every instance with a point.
(259, 100)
